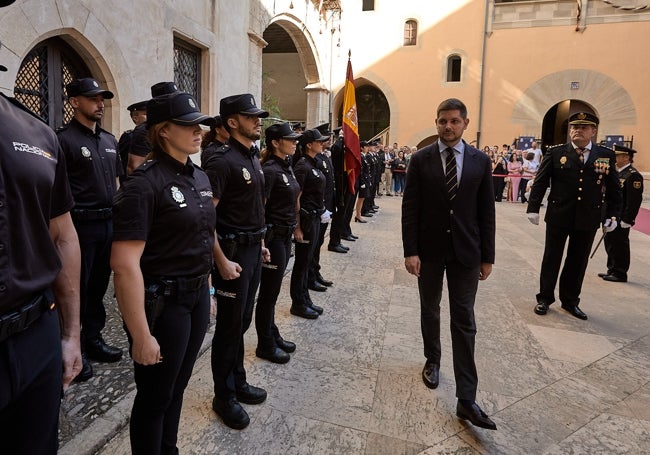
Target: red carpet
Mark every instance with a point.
(642, 223)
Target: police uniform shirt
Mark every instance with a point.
(281, 190)
(93, 164)
(312, 184)
(140, 145)
(324, 164)
(33, 190)
(238, 182)
(123, 147)
(632, 188)
(210, 150)
(168, 205)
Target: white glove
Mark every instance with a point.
(533, 218)
(625, 225)
(609, 225)
(363, 186)
(326, 217)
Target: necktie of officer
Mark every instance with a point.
(581, 154)
(451, 174)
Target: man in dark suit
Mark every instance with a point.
(617, 243)
(448, 225)
(583, 180)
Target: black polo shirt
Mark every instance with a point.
(312, 184)
(140, 145)
(93, 164)
(281, 191)
(209, 150)
(324, 164)
(33, 190)
(238, 182)
(168, 205)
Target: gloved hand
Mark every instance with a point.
(625, 225)
(533, 218)
(326, 217)
(609, 225)
(363, 186)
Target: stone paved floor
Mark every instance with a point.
(553, 384)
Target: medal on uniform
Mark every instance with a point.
(285, 179)
(85, 152)
(178, 196)
(563, 160)
(246, 175)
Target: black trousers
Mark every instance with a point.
(348, 212)
(235, 304)
(314, 267)
(499, 184)
(304, 253)
(156, 412)
(95, 238)
(462, 284)
(30, 388)
(270, 285)
(575, 264)
(337, 226)
(523, 183)
(617, 245)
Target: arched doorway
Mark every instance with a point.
(41, 79)
(373, 111)
(427, 141)
(555, 126)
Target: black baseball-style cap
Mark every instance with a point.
(280, 131)
(178, 107)
(324, 129)
(163, 88)
(313, 135)
(622, 150)
(139, 106)
(583, 118)
(240, 104)
(86, 86)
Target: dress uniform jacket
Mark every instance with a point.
(578, 191)
(632, 191)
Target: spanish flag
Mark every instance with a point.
(352, 154)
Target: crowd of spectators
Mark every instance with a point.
(513, 171)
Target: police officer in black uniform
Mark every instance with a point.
(140, 146)
(617, 242)
(215, 138)
(39, 253)
(311, 207)
(338, 230)
(138, 113)
(583, 179)
(365, 184)
(281, 190)
(93, 170)
(238, 189)
(162, 257)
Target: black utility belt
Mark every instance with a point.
(311, 213)
(177, 284)
(92, 214)
(244, 238)
(21, 318)
(281, 231)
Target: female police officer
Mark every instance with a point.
(281, 190)
(162, 254)
(311, 207)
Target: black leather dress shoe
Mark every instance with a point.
(431, 374)
(286, 346)
(603, 274)
(349, 238)
(615, 279)
(346, 248)
(323, 281)
(250, 394)
(355, 237)
(231, 412)
(316, 308)
(575, 311)
(359, 220)
(86, 370)
(303, 311)
(475, 415)
(316, 286)
(275, 355)
(336, 248)
(97, 349)
(541, 308)
(375, 207)
(367, 214)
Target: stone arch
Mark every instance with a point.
(610, 100)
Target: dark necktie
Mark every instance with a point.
(451, 176)
(581, 154)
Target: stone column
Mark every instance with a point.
(317, 105)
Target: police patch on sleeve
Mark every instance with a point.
(178, 196)
(636, 185)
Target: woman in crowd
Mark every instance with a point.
(365, 183)
(499, 169)
(310, 208)
(281, 190)
(529, 170)
(399, 173)
(515, 169)
(164, 224)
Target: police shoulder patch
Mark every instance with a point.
(636, 185)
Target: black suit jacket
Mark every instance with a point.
(428, 217)
(581, 195)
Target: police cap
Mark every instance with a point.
(218, 123)
(139, 106)
(163, 88)
(583, 118)
(364, 143)
(313, 135)
(280, 131)
(178, 107)
(86, 86)
(324, 129)
(337, 129)
(622, 150)
(240, 104)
